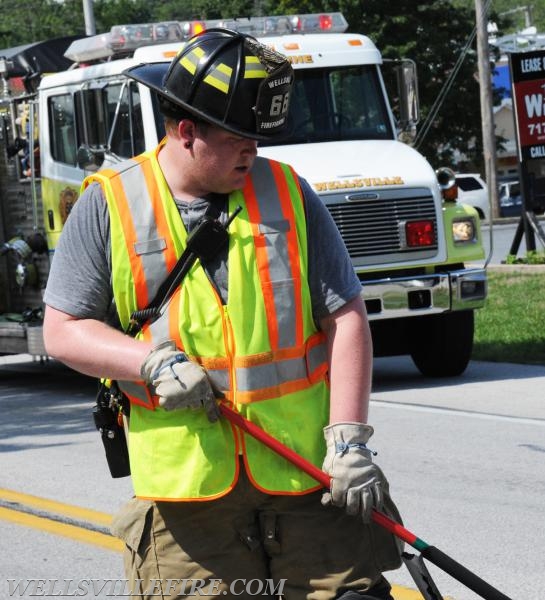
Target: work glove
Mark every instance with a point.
(357, 484)
(178, 381)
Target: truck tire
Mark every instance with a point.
(443, 343)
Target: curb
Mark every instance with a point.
(520, 268)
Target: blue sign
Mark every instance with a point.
(501, 80)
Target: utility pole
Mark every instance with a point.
(89, 16)
(485, 85)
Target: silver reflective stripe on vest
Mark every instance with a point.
(147, 235)
(160, 329)
(133, 390)
(274, 231)
(280, 372)
(316, 356)
(220, 378)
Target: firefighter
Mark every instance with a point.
(273, 324)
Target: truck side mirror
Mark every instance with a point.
(402, 84)
(409, 109)
(89, 159)
(92, 113)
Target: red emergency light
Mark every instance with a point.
(419, 233)
(273, 25)
(325, 22)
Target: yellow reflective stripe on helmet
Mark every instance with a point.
(220, 77)
(254, 69)
(191, 60)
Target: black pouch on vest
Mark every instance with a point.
(108, 412)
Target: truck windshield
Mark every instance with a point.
(331, 104)
(337, 103)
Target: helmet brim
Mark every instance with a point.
(153, 75)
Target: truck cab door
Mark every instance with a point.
(111, 124)
(84, 128)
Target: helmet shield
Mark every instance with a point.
(228, 79)
(273, 94)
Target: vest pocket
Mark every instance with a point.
(150, 246)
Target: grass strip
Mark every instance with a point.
(511, 325)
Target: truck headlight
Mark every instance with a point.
(464, 231)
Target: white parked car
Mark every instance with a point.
(472, 190)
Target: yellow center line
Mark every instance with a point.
(63, 529)
(86, 536)
(68, 510)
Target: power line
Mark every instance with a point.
(423, 131)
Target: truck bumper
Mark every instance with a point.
(384, 298)
(425, 294)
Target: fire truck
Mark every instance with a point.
(415, 248)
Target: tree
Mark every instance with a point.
(27, 21)
(119, 12)
(514, 15)
(433, 33)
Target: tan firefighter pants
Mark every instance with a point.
(252, 545)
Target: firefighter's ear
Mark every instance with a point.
(187, 130)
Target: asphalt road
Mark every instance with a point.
(464, 458)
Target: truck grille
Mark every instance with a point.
(375, 227)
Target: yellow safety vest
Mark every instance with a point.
(261, 349)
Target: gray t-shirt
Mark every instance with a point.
(80, 283)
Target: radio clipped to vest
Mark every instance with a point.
(111, 405)
(204, 243)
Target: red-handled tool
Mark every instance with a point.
(433, 554)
